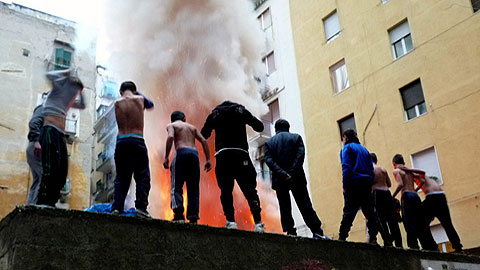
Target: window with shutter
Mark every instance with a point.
(413, 100)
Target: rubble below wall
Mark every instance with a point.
(47, 238)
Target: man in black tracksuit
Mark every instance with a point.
(284, 155)
(232, 159)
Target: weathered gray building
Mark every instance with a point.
(32, 43)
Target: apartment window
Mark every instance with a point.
(63, 58)
(413, 100)
(475, 5)
(346, 123)
(265, 19)
(269, 62)
(270, 118)
(401, 40)
(339, 76)
(427, 160)
(332, 26)
(385, 1)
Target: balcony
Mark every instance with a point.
(260, 138)
(104, 162)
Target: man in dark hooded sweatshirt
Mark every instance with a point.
(233, 162)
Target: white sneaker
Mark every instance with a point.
(231, 225)
(259, 227)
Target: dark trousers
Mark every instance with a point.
(131, 157)
(236, 165)
(300, 194)
(185, 169)
(54, 165)
(387, 219)
(414, 223)
(435, 205)
(358, 196)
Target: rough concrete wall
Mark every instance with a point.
(446, 59)
(36, 238)
(23, 78)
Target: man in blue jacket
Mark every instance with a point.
(284, 155)
(358, 174)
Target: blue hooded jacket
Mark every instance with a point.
(357, 164)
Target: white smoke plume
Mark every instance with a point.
(187, 55)
(199, 52)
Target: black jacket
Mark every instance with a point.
(35, 124)
(284, 154)
(228, 120)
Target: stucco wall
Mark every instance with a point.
(446, 57)
(22, 79)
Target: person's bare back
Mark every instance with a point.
(129, 113)
(184, 134)
(381, 180)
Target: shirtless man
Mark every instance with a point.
(131, 156)
(185, 166)
(383, 202)
(435, 205)
(413, 220)
(62, 97)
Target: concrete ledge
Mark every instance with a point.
(43, 238)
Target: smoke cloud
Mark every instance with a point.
(187, 55)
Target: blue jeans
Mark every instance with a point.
(131, 157)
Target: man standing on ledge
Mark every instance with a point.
(413, 220)
(131, 156)
(358, 176)
(53, 145)
(284, 155)
(384, 207)
(185, 166)
(233, 162)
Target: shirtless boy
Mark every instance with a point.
(185, 166)
(131, 156)
(413, 220)
(383, 202)
(435, 205)
(62, 97)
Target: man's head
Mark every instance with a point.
(398, 160)
(76, 82)
(177, 115)
(282, 125)
(374, 157)
(350, 136)
(128, 86)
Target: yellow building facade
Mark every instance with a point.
(409, 73)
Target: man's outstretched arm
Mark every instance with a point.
(168, 146)
(412, 170)
(207, 127)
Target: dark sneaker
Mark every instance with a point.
(193, 221)
(292, 232)
(178, 219)
(116, 212)
(142, 213)
(321, 237)
(259, 227)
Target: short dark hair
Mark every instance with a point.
(374, 157)
(77, 82)
(282, 124)
(398, 159)
(351, 136)
(177, 115)
(128, 85)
